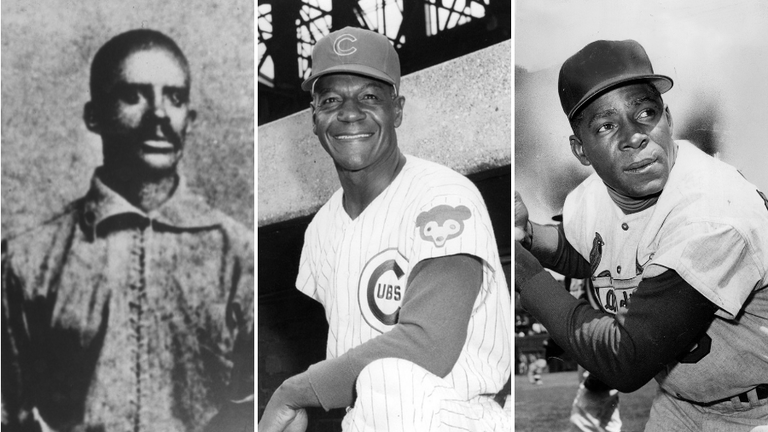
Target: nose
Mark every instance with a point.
(350, 111)
(158, 104)
(635, 137)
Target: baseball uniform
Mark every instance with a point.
(358, 270)
(709, 226)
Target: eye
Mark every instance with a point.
(177, 98)
(328, 100)
(606, 127)
(644, 114)
(370, 97)
(129, 95)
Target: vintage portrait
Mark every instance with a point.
(127, 216)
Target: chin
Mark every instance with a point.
(160, 164)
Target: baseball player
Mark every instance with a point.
(404, 260)
(675, 243)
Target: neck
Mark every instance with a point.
(363, 186)
(630, 205)
(144, 192)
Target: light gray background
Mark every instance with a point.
(48, 155)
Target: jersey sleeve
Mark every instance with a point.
(451, 219)
(715, 259)
(431, 330)
(665, 318)
(306, 278)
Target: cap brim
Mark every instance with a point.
(662, 83)
(348, 68)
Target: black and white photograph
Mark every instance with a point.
(640, 216)
(128, 216)
(384, 235)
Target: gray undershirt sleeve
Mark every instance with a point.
(430, 332)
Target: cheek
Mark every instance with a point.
(126, 117)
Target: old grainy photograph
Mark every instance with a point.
(127, 216)
(641, 217)
(384, 209)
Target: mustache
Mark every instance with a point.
(159, 130)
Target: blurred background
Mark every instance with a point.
(48, 155)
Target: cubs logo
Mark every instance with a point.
(442, 223)
(381, 289)
(339, 50)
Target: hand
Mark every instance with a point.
(282, 413)
(287, 420)
(522, 233)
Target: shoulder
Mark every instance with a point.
(421, 170)
(327, 214)
(424, 182)
(703, 188)
(33, 244)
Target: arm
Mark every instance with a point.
(552, 249)
(430, 332)
(548, 244)
(666, 316)
(16, 400)
(236, 411)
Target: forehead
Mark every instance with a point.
(154, 66)
(626, 96)
(346, 81)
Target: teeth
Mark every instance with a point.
(346, 137)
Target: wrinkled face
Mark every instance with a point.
(145, 117)
(355, 118)
(626, 135)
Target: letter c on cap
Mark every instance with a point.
(344, 51)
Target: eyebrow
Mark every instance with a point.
(613, 111)
(374, 84)
(601, 115)
(640, 100)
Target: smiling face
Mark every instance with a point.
(626, 135)
(355, 118)
(144, 114)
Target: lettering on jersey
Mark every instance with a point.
(442, 223)
(381, 289)
(596, 254)
(340, 50)
(612, 295)
(765, 199)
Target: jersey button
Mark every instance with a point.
(624, 226)
(618, 269)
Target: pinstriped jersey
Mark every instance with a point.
(358, 269)
(710, 226)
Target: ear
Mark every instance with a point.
(577, 147)
(314, 119)
(399, 104)
(668, 114)
(191, 117)
(89, 117)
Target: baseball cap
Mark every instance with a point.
(357, 51)
(603, 65)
